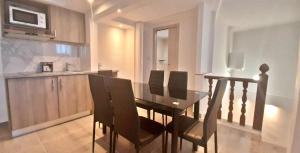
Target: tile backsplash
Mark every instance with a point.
(25, 55)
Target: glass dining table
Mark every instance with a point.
(171, 101)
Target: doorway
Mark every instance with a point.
(166, 43)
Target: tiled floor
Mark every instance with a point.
(76, 136)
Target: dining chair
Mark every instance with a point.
(178, 81)
(138, 130)
(197, 131)
(156, 79)
(108, 73)
(103, 112)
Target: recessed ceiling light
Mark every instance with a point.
(119, 11)
(90, 1)
(121, 25)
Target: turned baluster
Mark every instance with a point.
(260, 97)
(244, 100)
(231, 98)
(210, 82)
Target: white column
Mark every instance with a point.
(92, 40)
(138, 52)
(3, 104)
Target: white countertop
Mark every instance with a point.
(45, 74)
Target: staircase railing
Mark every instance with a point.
(262, 84)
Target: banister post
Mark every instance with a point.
(260, 97)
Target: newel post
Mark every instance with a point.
(260, 97)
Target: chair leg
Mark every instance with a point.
(180, 146)
(114, 142)
(137, 148)
(110, 139)
(216, 142)
(166, 146)
(94, 124)
(166, 119)
(153, 116)
(148, 114)
(104, 129)
(163, 119)
(205, 148)
(163, 142)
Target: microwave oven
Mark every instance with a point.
(27, 17)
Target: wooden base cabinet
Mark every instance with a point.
(74, 94)
(32, 101)
(37, 100)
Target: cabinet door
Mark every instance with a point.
(74, 94)
(32, 101)
(69, 26)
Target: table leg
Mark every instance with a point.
(196, 116)
(175, 133)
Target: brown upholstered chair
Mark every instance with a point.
(156, 80)
(108, 73)
(177, 81)
(138, 130)
(103, 112)
(197, 131)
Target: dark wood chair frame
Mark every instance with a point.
(126, 120)
(210, 120)
(103, 111)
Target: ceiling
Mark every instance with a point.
(246, 14)
(132, 10)
(241, 14)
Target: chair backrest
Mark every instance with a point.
(178, 80)
(156, 78)
(102, 106)
(210, 120)
(126, 118)
(108, 73)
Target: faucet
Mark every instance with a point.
(68, 65)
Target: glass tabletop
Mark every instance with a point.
(170, 98)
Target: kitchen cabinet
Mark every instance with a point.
(74, 94)
(39, 102)
(68, 26)
(32, 101)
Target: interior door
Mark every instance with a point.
(173, 44)
(166, 50)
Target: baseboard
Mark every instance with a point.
(34, 128)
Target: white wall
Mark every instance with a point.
(220, 47)
(294, 146)
(278, 47)
(187, 43)
(116, 50)
(3, 107)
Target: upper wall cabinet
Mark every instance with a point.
(68, 26)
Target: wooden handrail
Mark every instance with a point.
(260, 101)
(239, 79)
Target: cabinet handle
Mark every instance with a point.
(54, 33)
(60, 84)
(52, 85)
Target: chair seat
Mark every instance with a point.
(189, 129)
(149, 130)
